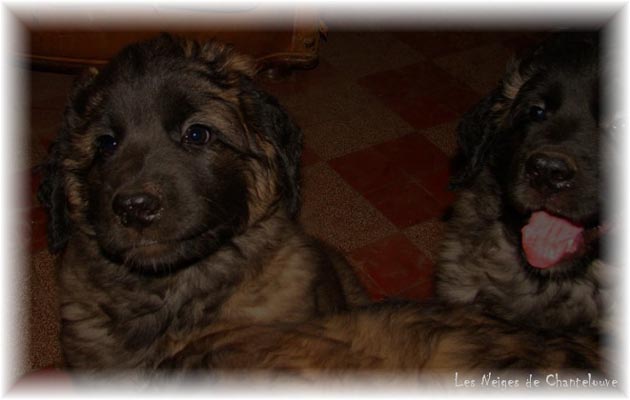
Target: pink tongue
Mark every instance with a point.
(548, 239)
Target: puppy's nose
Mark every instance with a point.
(137, 210)
(551, 171)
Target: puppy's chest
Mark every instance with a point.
(127, 323)
(112, 321)
(282, 291)
(483, 267)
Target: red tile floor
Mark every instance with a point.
(379, 114)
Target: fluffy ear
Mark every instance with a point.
(52, 192)
(272, 121)
(52, 197)
(263, 112)
(476, 134)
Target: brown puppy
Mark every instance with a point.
(172, 191)
(523, 242)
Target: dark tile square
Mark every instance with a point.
(422, 291)
(439, 43)
(415, 154)
(421, 78)
(436, 183)
(422, 93)
(309, 157)
(393, 263)
(421, 111)
(368, 170)
(404, 204)
(38, 229)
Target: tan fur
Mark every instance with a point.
(388, 339)
(236, 62)
(513, 80)
(271, 294)
(262, 186)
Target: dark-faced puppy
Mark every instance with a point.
(523, 241)
(172, 191)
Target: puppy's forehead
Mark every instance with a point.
(180, 78)
(168, 93)
(568, 78)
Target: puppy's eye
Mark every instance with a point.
(107, 145)
(537, 113)
(197, 134)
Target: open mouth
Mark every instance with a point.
(549, 240)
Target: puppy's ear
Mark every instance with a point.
(271, 120)
(224, 63)
(51, 192)
(52, 197)
(262, 112)
(476, 134)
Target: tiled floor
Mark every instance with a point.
(379, 115)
